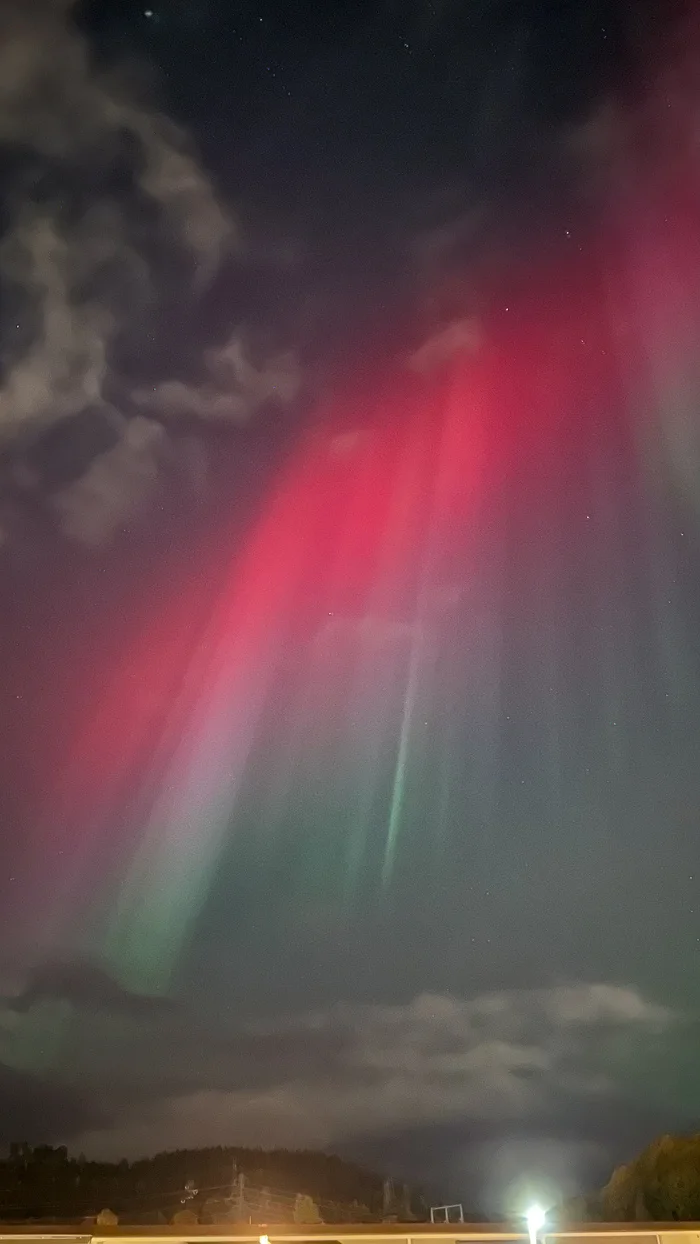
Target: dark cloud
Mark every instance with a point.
(38, 1110)
(462, 1094)
(85, 985)
(350, 1072)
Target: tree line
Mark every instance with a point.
(207, 1185)
(661, 1185)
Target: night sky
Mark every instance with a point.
(349, 582)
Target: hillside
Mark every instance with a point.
(42, 1182)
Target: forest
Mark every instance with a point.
(41, 1183)
(661, 1185)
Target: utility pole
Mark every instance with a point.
(231, 1198)
(240, 1202)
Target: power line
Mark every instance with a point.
(253, 1194)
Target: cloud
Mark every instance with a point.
(234, 390)
(86, 985)
(73, 256)
(33, 1109)
(55, 103)
(328, 1077)
(63, 370)
(105, 205)
(117, 485)
(442, 346)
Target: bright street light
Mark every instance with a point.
(535, 1219)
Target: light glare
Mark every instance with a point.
(535, 1219)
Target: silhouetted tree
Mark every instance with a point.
(185, 1218)
(661, 1185)
(306, 1210)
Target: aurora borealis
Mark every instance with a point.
(382, 756)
